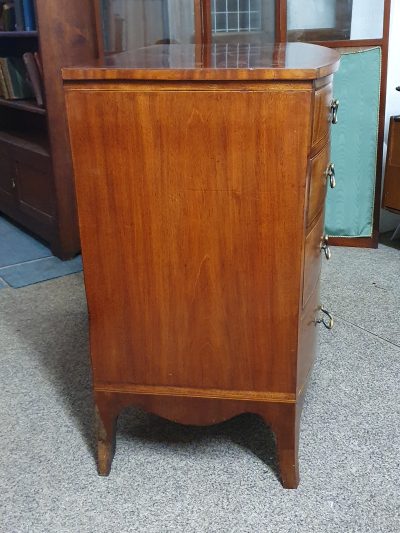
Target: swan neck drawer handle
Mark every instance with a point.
(326, 320)
(334, 111)
(325, 247)
(331, 175)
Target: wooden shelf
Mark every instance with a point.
(33, 142)
(18, 34)
(23, 105)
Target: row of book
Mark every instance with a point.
(17, 15)
(21, 78)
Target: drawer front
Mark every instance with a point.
(318, 183)
(308, 337)
(312, 258)
(322, 113)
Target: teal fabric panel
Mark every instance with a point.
(350, 206)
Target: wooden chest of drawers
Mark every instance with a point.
(201, 176)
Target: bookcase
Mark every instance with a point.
(36, 177)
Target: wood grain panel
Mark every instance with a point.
(33, 173)
(279, 61)
(283, 418)
(312, 258)
(189, 282)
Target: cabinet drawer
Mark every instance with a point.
(312, 258)
(322, 113)
(318, 181)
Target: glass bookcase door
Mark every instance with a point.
(242, 21)
(132, 24)
(333, 20)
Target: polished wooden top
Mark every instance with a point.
(289, 61)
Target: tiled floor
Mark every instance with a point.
(25, 260)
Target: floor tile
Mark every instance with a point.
(17, 246)
(41, 270)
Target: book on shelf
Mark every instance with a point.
(39, 64)
(3, 86)
(19, 15)
(16, 79)
(34, 76)
(29, 15)
(7, 16)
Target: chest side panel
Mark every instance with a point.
(191, 207)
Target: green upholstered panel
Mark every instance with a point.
(350, 205)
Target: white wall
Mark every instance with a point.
(389, 220)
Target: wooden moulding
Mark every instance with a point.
(283, 418)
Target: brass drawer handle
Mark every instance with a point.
(328, 323)
(334, 111)
(331, 175)
(325, 247)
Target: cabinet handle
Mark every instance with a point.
(328, 323)
(325, 247)
(334, 111)
(13, 185)
(331, 175)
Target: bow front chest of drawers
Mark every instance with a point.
(201, 175)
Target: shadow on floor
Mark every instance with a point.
(55, 330)
(385, 238)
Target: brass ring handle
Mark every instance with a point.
(325, 247)
(334, 111)
(328, 323)
(331, 175)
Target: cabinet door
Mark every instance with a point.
(34, 186)
(7, 179)
(131, 24)
(350, 206)
(332, 20)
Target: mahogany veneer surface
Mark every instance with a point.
(193, 173)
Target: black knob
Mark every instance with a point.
(398, 88)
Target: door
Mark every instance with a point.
(7, 179)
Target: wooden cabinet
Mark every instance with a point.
(26, 186)
(194, 171)
(391, 191)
